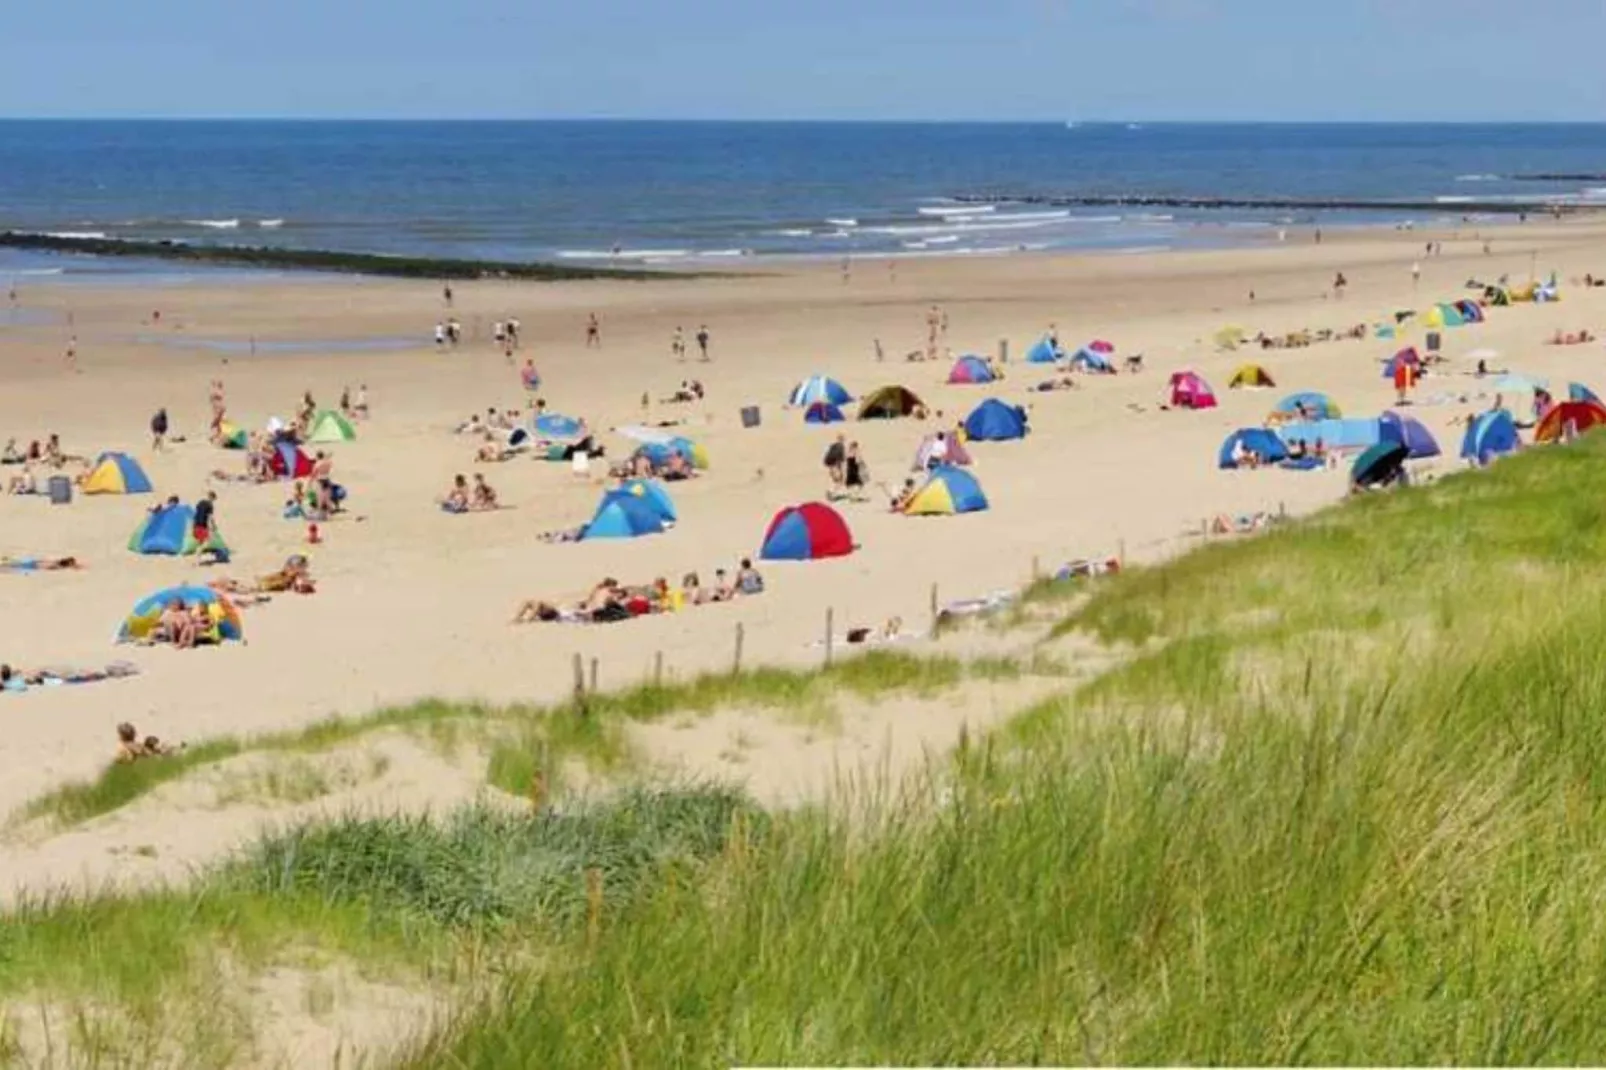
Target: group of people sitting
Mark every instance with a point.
(185, 626)
(494, 420)
(463, 498)
(131, 748)
(673, 468)
(611, 601)
(47, 454)
(1570, 338)
(689, 391)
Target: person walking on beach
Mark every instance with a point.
(440, 335)
(677, 345)
(513, 331)
(158, 429)
(1339, 283)
(702, 341)
(593, 332)
(70, 357)
(1416, 275)
(446, 293)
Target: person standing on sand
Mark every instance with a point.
(593, 332)
(70, 357)
(1416, 275)
(879, 354)
(677, 345)
(440, 335)
(702, 341)
(158, 429)
(446, 293)
(1339, 284)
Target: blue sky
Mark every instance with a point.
(826, 59)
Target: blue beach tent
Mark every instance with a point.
(1488, 436)
(654, 494)
(1091, 360)
(1332, 434)
(1408, 432)
(819, 388)
(623, 515)
(822, 412)
(1580, 392)
(1046, 351)
(552, 425)
(1263, 443)
(996, 421)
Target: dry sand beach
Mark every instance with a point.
(415, 603)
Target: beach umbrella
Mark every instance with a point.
(554, 425)
(1380, 465)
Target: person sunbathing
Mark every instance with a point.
(723, 590)
(904, 496)
(677, 468)
(26, 483)
(691, 590)
(130, 747)
(1064, 382)
(484, 496)
(39, 564)
(491, 453)
(533, 610)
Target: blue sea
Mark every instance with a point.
(665, 193)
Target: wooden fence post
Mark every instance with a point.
(658, 669)
(593, 676)
(579, 683)
(830, 634)
(736, 663)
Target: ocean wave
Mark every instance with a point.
(843, 222)
(270, 224)
(37, 271)
(79, 235)
(1022, 221)
(622, 254)
(1477, 178)
(215, 224)
(957, 210)
(1150, 217)
(791, 232)
(1453, 200)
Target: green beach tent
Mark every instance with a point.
(330, 426)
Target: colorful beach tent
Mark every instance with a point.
(818, 388)
(996, 421)
(947, 491)
(290, 461)
(1099, 345)
(147, 614)
(1407, 356)
(1408, 432)
(555, 425)
(822, 412)
(1331, 434)
(116, 473)
(330, 426)
(1091, 360)
(231, 436)
(1189, 391)
(1250, 375)
(1380, 465)
(1580, 392)
(622, 515)
(806, 532)
(1264, 444)
(889, 403)
(1044, 351)
(970, 370)
(659, 452)
(1561, 422)
(654, 494)
(1470, 311)
(1316, 406)
(1230, 337)
(1489, 435)
(170, 530)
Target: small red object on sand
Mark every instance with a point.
(312, 533)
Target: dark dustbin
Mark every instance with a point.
(60, 490)
(750, 416)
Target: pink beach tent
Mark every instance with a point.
(1099, 345)
(1188, 391)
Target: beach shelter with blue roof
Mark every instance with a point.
(971, 369)
(818, 388)
(143, 619)
(556, 425)
(1317, 406)
(1580, 392)
(1091, 360)
(623, 515)
(170, 530)
(1489, 435)
(1257, 440)
(654, 494)
(1045, 351)
(116, 473)
(947, 492)
(808, 532)
(822, 412)
(1408, 432)
(659, 452)
(996, 421)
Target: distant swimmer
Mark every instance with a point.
(593, 332)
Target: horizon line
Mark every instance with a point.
(624, 119)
